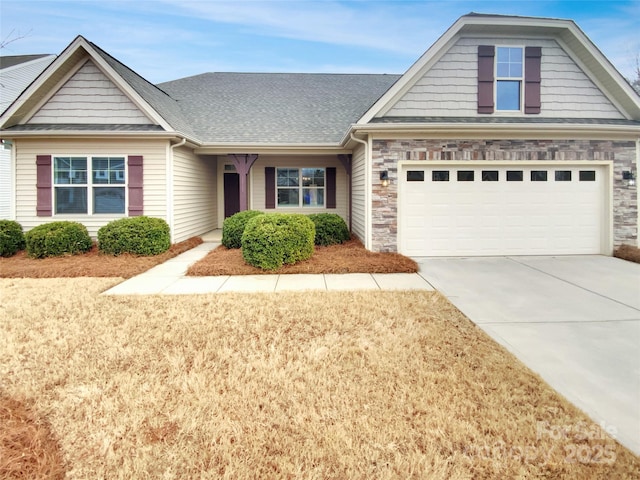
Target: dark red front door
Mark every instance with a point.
(231, 194)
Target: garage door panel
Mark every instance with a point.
(503, 217)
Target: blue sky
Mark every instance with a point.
(168, 39)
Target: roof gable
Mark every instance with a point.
(143, 95)
(89, 96)
(599, 71)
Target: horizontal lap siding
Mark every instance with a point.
(449, 88)
(319, 161)
(90, 97)
(152, 151)
(358, 193)
(5, 183)
(194, 194)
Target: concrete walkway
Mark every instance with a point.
(170, 278)
(574, 320)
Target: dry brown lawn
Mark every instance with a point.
(349, 257)
(349, 385)
(90, 264)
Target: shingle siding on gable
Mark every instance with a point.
(449, 88)
(90, 97)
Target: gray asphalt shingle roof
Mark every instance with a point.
(275, 107)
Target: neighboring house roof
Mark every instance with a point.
(12, 60)
(275, 108)
(17, 72)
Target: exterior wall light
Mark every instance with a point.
(629, 177)
(384, 178)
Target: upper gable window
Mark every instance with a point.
(509, 77)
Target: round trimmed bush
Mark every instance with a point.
(11, 238)
(137, 235)
(233, 227)
(57, 238)
(331, 229)
(272, 240)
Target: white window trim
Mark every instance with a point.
(300, 188)
(497, 78)
(89, 185)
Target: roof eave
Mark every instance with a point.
(271, 148)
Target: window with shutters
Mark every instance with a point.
(300, 187)
(509, 78)
(85, 184)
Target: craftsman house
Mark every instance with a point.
(510, 135)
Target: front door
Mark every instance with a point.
(231, 194)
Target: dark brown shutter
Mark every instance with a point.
(532, 62)
(331, 187)
(269, 187)
(43, 185)
(486, 54)
(136, 197)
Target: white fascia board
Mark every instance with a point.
(457, 130)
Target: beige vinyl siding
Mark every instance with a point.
(449, 88)
(194, 194)
(319, 161)
(358, 192)
(90, 97)
(153, 152)
(5, 182)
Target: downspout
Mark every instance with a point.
(367, 192)
(170, 217)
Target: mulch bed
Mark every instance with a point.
(27, 447)
(90, 264)
(349, 257)
(627, 252)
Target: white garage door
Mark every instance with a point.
(502, 210)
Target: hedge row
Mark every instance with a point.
(137, 235)
(331, 229)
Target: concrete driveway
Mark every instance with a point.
(574, 320)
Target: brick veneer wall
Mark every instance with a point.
(387, 153)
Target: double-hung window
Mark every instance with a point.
(300, 187)
(89, 185)
(509, 78)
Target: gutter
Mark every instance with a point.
(169, 186)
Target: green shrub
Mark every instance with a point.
(138, 235)
(274, 239)
(331, 229)
(57, 238)
(11, 238)
(233, 227)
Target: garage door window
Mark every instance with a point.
(465, 175)
(587, 175)
(514, 175)
(415, 176)
(490, 175)
(440, 175)
(563, 175)
(538, 175)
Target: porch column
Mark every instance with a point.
(345, 160)
(243, 164)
